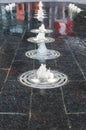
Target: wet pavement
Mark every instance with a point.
(25, 108)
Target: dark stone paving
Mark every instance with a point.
(25, 108)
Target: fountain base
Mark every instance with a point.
(29, 79)
(35, 54)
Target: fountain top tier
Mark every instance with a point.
(41, 14)
(40, 4)
(41, 29)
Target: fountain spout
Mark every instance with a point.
(42, 28)
(40, 36)
(40, 4)
(43, 74)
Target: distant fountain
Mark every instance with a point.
(41, 14)
(42, 53)
(41, 29)
(40, 4)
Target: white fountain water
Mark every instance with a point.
(41, 29)
(44, 75)
(43, 78)
(42, 53)
(41, 14)
(40, 37)
(40, 4)
(42, 50)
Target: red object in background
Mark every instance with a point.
(57, 25)
(68, 27)
(34, 6)
(19, 11)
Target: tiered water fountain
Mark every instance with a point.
(42, 53)
(42, 78)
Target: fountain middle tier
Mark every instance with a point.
(42, 53)
(41, 40)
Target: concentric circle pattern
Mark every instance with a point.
(46, 40)
(51, 54)
(27, 80)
